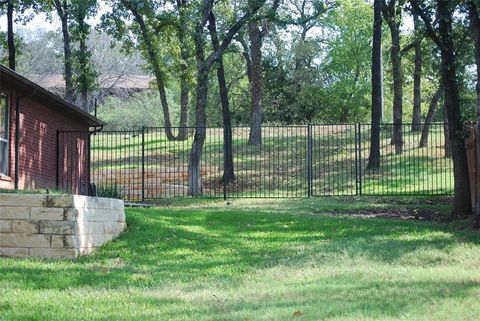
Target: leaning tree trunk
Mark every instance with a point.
(417, 81)
(255, 36)
(153, 59)
(475, 28)
(10, 36)
(374, 157)
(462, 203)
(429, 119)
(228, 170)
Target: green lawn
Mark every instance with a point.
(260, 260)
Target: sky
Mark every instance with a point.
(40, 21)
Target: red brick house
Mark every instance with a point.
(31, 119)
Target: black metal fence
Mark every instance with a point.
(292, 161)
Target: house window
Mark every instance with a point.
(3, 134)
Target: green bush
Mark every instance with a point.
(110, 191)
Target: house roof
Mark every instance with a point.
(50, 98)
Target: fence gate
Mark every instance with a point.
(334, 160)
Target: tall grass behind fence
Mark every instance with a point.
(292, 161)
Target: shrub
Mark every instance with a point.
(110, 191)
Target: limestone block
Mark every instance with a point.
(64, 201)
(10, 213)
(23, 200)
(46, 213)
(70, 241)
(100, 215)
(24, 240)
(57, 227)
(53, 253)
(25, 226)
(97, 203)
(70, 214)
(79, 201)
(57, 241)
(114, 227)
(86, 250)
(90, 228)
(5, 226)
(13, 252)
(64, 241)
(94, 240)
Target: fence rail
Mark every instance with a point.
(292, 161)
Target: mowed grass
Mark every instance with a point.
(259, 260)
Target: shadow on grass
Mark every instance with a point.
(166, 245)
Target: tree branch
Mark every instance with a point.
(411, 45)
(430, 30)
(213, 57)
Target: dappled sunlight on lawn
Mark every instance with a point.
(264, 261)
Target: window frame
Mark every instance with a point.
(7, 131)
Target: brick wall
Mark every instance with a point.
(38, 144)
(57, 226)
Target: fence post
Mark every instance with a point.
(226, 129)
(356, 158)
(309, 160)
(359, 164)
(89, 162)
(57, 174)
(143, 164)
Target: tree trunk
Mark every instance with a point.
(184, 84)
(194, 170)
(203, 66)
(10, 36)
(431, 112)
(446, 134)
(248, 62)
(83, 63)
(255, 36)
(228, 170)
(393, 16)
(62, 10)
(374, 157)
(462, 203)
(417, 79)
(184, 101)
(475, 28)
(194, 161)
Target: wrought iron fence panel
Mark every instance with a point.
(291, 161)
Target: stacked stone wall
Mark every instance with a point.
(57, 225)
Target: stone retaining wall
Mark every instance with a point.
(57, 225)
